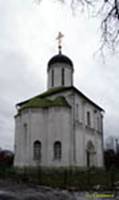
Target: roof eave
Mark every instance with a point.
(85, 97)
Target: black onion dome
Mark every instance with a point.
(60, 59)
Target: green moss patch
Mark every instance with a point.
(53, 91)
(38, 102)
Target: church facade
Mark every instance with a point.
(60, 127)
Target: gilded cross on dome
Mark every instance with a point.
(59, 38)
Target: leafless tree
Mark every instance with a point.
(110, 23)
(108, 10)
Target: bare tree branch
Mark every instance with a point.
(108, 10)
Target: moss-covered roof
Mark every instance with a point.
(52, 91)
(45, 94)
(38, 102)
(58, 90)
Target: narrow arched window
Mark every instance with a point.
(57, 150)
(37, 150)
(63, 76)
(101, 124)
(88, 119)
(52, 77)
(25, 134)
(98, 124)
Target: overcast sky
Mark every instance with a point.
(28, 34)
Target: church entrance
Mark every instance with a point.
(90, 154)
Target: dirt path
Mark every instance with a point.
(10, 190)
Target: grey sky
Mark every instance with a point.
(27, 42)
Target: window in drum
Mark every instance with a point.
(52, 77)
(63, 74)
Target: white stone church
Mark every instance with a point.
(60, 127)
